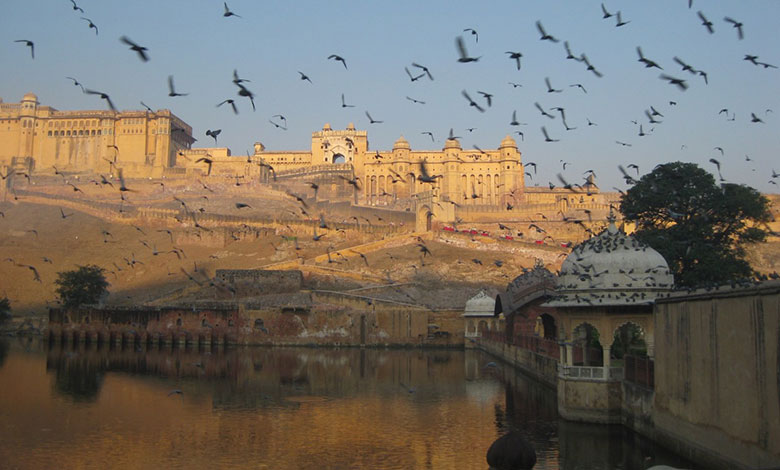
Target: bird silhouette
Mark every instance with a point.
(413, 78)
(102, 96)
(213, 134)
(705, 22)
(232, 104)
(605, 12)
(244, 91)
(91, 25)
(76, 7)
(424, 69)
(344, 104)
(135, 47)
(228, 13)
(472, 103)
(372, 120)
(462, 53)
(736, 24)
(339, 59)
(29, 44)
(305, 77)
(648, 63)
(172, 90)
(619, 20)
(675, 81)
(516, 57)
(545, 36)
(547, 137)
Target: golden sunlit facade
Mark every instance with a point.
(465, 177)
(39, 138)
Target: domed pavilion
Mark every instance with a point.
(604, 297)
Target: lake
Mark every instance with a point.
(284, 408)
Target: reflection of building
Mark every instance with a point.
(479, 317)
(142, 143)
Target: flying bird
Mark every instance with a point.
(135, 47)
(544, 113)
(76, 83)
(344, 104)
(424, 69)
(464, 56)
(545, 36)
(735, 24)
(472, 102)
(339, 59)
(606, 13)
(244, 91)
(648, 63)
(620, 21)
(674, 81)
(228, 13)
(305, 77)
(414, 100)
(372, 120)
(102, 96)
(207, 161)
(29, 44)
(516, 57)
(232, 104)
(213, 134)
(488, 97)
(705, 22)
(550, 89)
(172, 90)
(76, 7)
(473, 33)
(91, 25)
(547, 137)
(413, 78)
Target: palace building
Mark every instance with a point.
(38, 138)
(464, 177)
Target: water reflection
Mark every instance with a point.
(283, 408)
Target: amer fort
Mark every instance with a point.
(342, 245)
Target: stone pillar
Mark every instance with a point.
(569, 355)
(650, 348)
(606, 350)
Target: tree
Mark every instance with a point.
(84, 285)
(700, 228)
(5, 309)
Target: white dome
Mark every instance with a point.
(612, 268)
(480, 305)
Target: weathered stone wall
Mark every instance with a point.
(255, 282)
(592, 401)
(343, 324)
(543, 368)
(717, 376)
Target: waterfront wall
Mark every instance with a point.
(539, 366)
(717, 376)
(287, 319)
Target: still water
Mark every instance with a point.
(283, 408)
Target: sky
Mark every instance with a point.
(273, 40)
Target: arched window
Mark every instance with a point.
(338, 159)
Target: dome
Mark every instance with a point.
(451, 144)
(611, 268)
(480, 305)
(401, 143)
(30, 97)
(508, 142)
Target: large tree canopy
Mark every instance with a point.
(84, 285)
(700, 228)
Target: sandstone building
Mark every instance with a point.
(38, 138)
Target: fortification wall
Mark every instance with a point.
(717, 375)
(255, 282)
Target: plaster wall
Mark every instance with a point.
(717, 376)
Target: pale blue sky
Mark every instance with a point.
(191, 40)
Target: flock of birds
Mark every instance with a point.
(652, 114)
(484, 101)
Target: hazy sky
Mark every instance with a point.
(191, 40)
